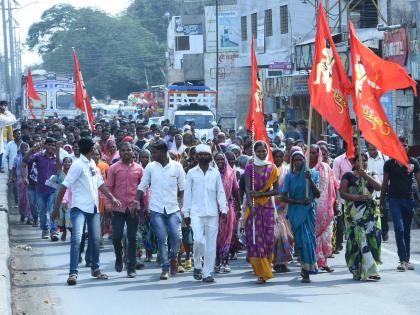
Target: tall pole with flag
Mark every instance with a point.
(373, 77)
(329, 84)
(31, 94)
(255, 121)
(81, 98)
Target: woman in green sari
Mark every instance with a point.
(363, 224)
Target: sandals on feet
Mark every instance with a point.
(99, 275)
(261, 280)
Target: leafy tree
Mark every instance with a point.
(114, 52)
(151, 13)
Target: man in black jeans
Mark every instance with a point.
(122, 181)
(398, 187)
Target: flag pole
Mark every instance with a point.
(359, 152)
(253, 183)
(87, 114)
(311, 110)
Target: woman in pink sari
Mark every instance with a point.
(226, 228)
(283, 245)
(325, 207)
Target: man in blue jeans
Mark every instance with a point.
(45, 167)
(166, 179)
(398, 187)
(84, 179)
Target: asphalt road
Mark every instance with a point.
(40, 275)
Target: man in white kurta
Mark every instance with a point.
(204, 197)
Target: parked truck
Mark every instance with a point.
(56, 93)
(186, 104)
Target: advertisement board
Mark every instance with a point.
(229, 28)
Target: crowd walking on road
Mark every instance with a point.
(194, 204)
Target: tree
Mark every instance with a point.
(113, 51)
(151, 13)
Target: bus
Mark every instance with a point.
(56, 93)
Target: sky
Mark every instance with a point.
(31, 10)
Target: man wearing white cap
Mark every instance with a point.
(204, 195)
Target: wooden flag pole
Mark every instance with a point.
(311, 110)
(359, 150)
(87, 114)
(253, 183)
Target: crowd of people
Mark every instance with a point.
(197, 203)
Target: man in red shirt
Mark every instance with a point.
(123, 179)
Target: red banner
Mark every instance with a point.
(329, 84)
(255, 121)
(372, 77)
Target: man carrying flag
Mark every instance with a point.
(329, 84)
(81, 98)
(372, 77)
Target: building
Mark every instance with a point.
(185, 51)
(277, 26)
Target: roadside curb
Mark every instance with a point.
(5, 288)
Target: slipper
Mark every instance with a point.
(99, 275)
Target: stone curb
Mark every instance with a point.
(5, 288)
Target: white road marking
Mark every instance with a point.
(392, 253)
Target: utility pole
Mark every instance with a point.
(217, 53)
(12, 59)
(5, 49)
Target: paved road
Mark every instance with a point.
(40, 287)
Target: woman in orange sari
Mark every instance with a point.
(261, 183)
(103, 168)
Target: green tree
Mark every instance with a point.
(114, 52)
(151, 13)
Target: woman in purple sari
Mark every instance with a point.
(23, 197)
(260, 185)
(226, 228)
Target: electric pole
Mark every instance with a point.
(12, 59)
(5, 49)
(217, 53)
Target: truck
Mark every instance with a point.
(191, 104)
(56, 93)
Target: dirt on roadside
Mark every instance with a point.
(29, 276)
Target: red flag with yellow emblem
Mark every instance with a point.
(373, 77)
(255, 121)
(329, 84)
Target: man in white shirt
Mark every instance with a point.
(204, 196)
(166, 179)
(376, 164)
(9, 155)
(6, 120)
(84, 179)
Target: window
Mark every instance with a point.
(182, 43)
(42, 102)
(65, 101)
(244, 30)
(268, 21)
(254, 24)
(284, 19)
(364, 14)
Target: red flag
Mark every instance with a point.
(329, 84)
(372, 77)
(81, 98)
(31, 93)
(255, 120)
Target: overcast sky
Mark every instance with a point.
(32, 10)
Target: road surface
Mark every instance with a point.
(39, 281)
